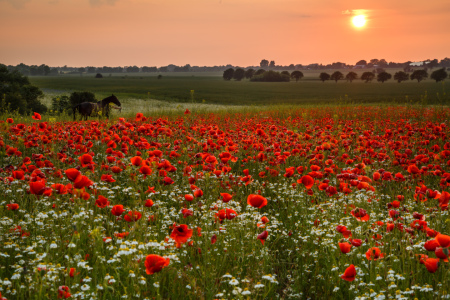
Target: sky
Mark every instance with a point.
(220, 32)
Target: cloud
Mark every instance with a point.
(102, 2)
(355, 11)
(18, 4)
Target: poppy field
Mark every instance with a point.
(336, 202)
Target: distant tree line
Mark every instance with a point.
(382, 76)
(284, 76)
(408, 67)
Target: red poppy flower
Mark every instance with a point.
(356, 242)
(374, 253)
(72, 272)
(186, 212)
(102, 202)
(213, 239)
(81, 182)
(188, 197)
(263, 236)
(19, 175)
(442, 253)
(360, 214)
(107, 178)
(117, 210)
(349, 273)
(443, 240)
(148, 203)
(181, 234)
(63, 291)
(307, 181)
(265, 220)
(12, 206)
(198, 193)
(132, 216)
(432, 264)
(9, 121)
(345, 247)
(85, 159)
(168, 181)
(72, 174)
(256, 201)
(226, 197)
(155, 263)
(431, 245)
(38, 188)
(61, 189)
(36, 116)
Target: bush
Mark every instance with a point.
(17, 94)
(271, 76)
(80, 97)
(61, 104)
(99, 75)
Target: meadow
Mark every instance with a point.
(314, 202)
(210, 88)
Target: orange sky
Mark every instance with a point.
(219, 32)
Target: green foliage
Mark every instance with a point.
(61, 104)
(351, 76)
(419, 75)
(383, 76)
(337, 76)
(18, 94)
(80, 97)
(238, 74)
(368, 76)
(271, 76)
(286, 73)
(297, 75)
(228, 74)
(401, 76)
(249, 73)
(260, 71)
(439, 75)
(324, 76)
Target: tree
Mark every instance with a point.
(239, 74)
(362, 62)
(60, 104)
(419, 75)
(401, 76)
(286, 73)
(439, 75)
(337, 76)
(297, 75)
(228, 74)
(91, 69)
(18, 94)
(271, 76)
(272, 64)
(367, 76)
(260, 71)
(324, 76)
(264, 63)
(99, 75)
(249, 73)
(383, 76)
(133, 69)
(351, 76)
(81, 69)
(80, 97)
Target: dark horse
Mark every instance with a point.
(87, 108)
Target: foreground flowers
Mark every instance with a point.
(155, 263)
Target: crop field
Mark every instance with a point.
(212, 89)
(330, 202)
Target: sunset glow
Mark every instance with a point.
(359, 21)
(220, 32)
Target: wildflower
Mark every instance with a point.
(117, 210)
(374, 253)
(349, 273)
(263, 236)
(181, 234)
(257, 201)
(63, 292)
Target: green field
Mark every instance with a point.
(210, 88)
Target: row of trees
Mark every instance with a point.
(382, 76)
(261, 75)
(419, 75)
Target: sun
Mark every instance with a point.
(359, 21)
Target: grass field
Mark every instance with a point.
(212, 89)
